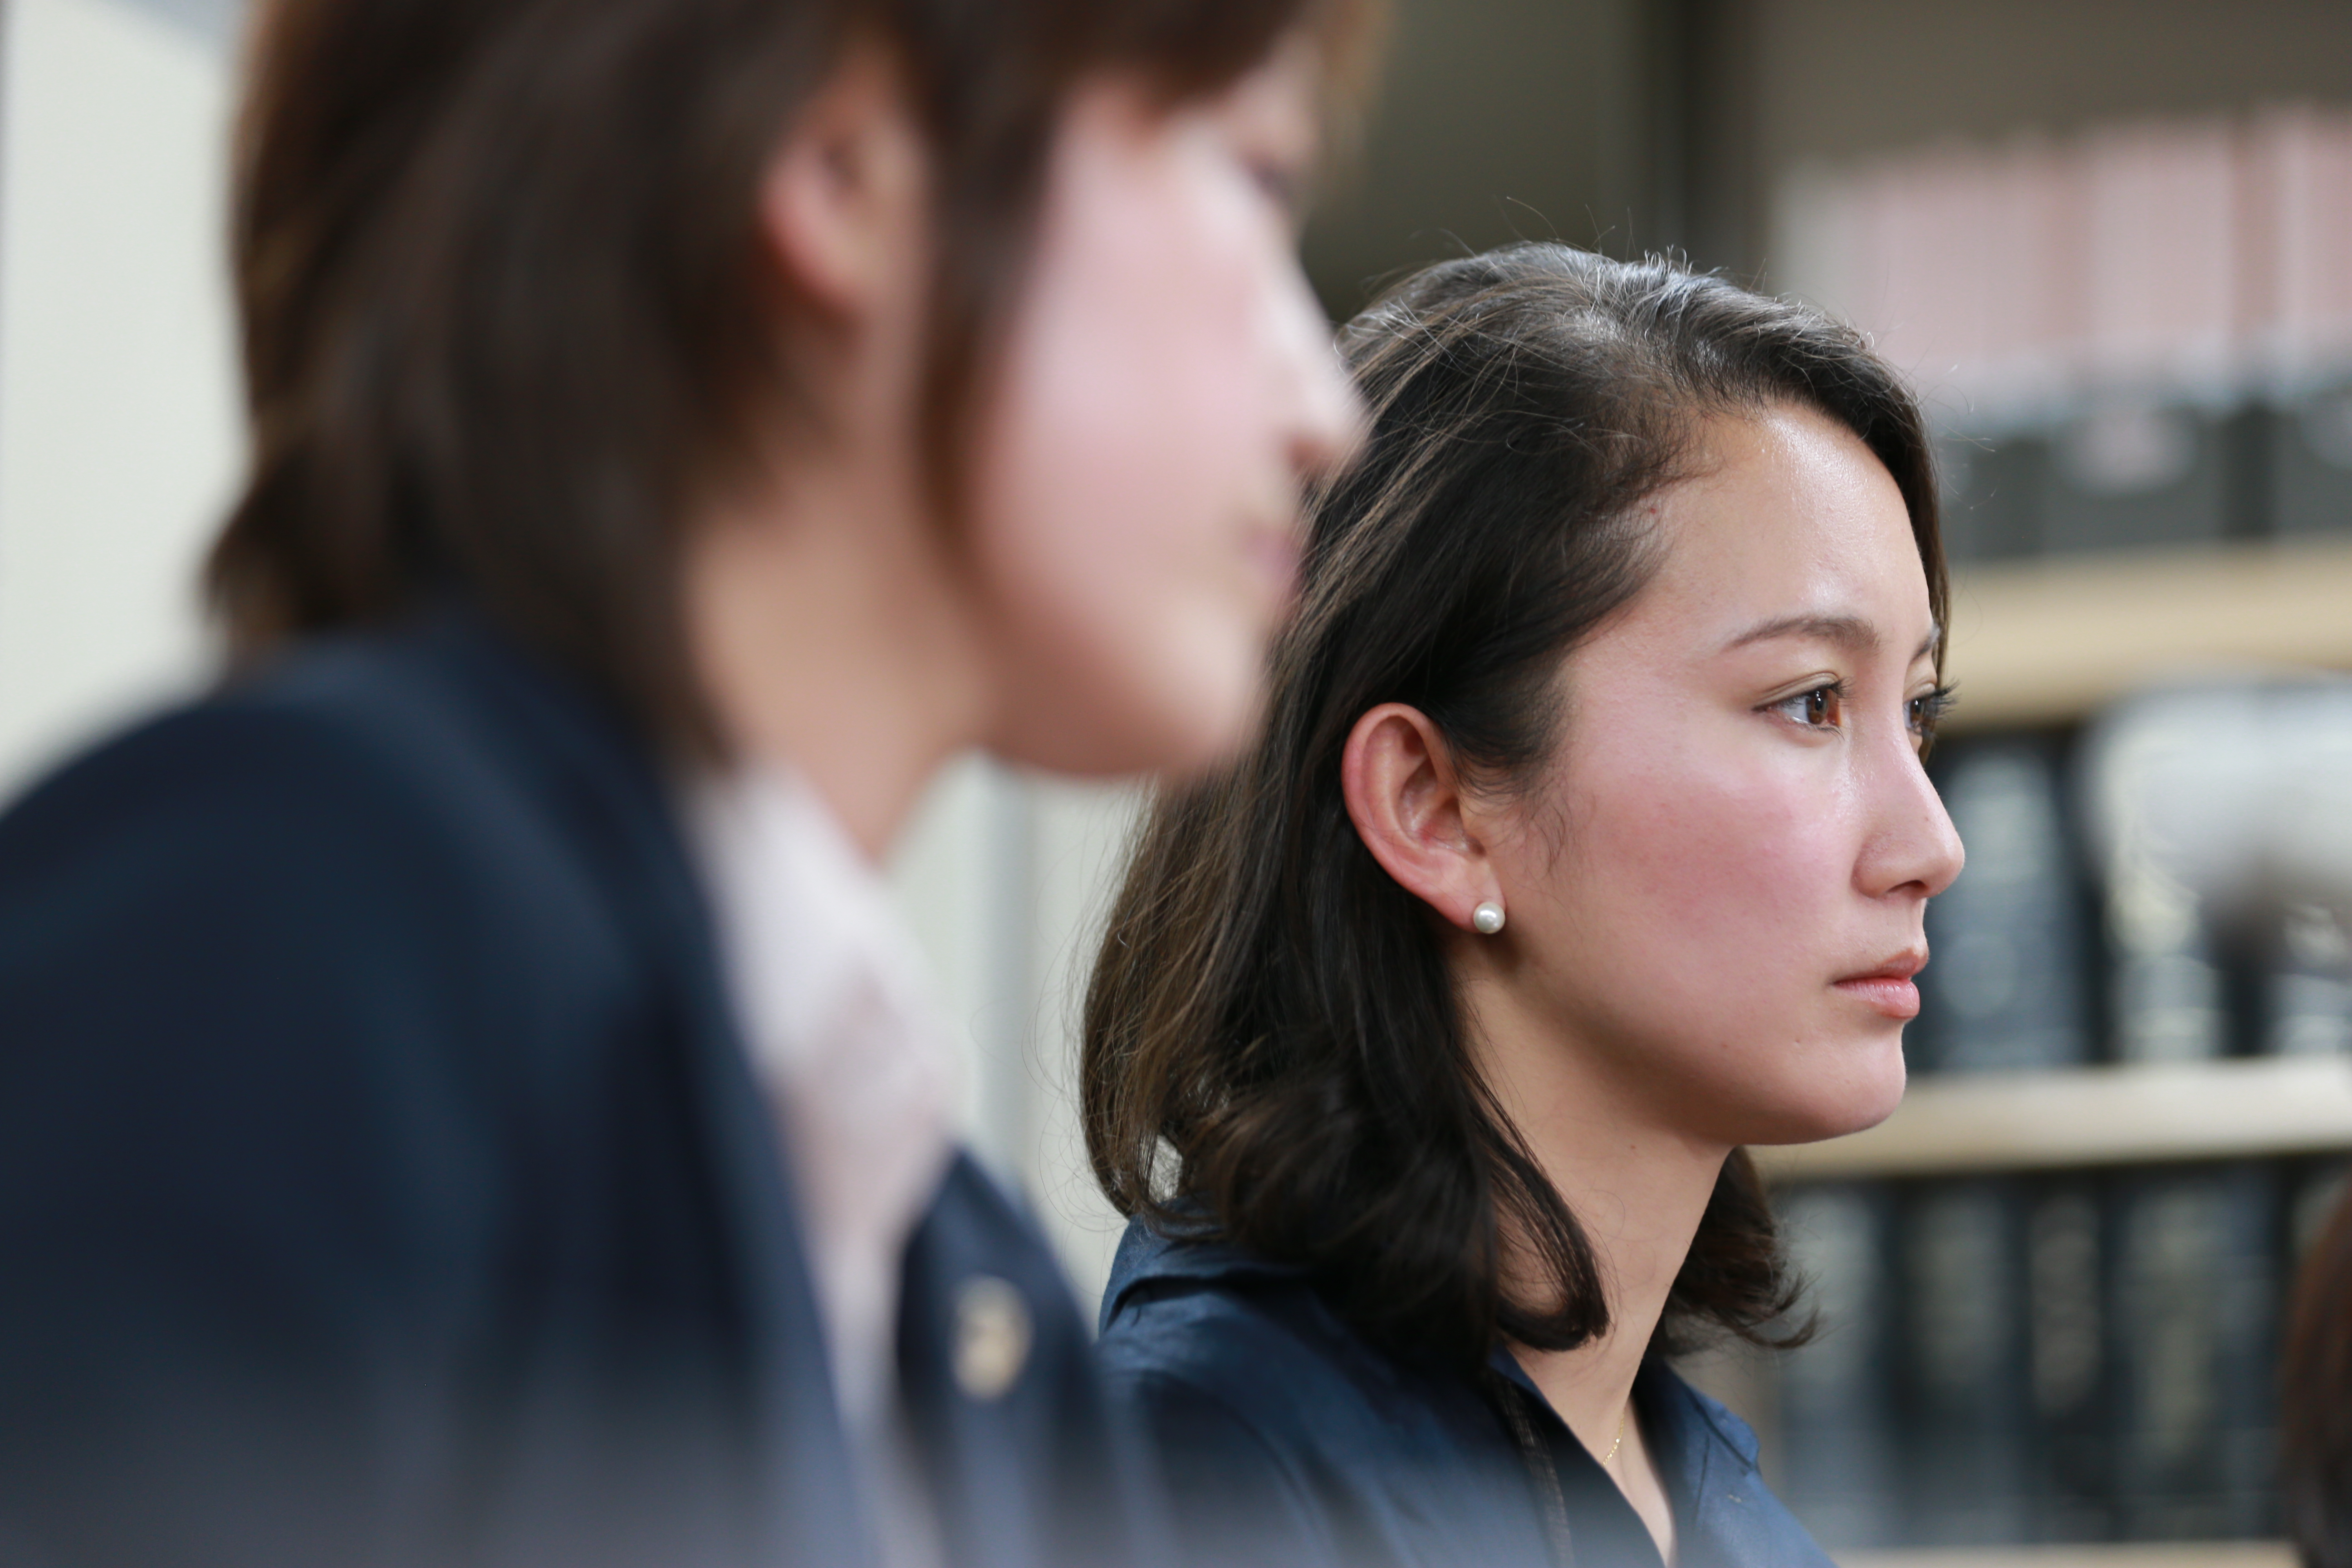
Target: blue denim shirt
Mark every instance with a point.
(1287, 1437)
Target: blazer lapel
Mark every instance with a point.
(609, 786)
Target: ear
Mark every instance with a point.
(1407, 804)
(842, 203)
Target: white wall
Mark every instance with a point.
(1006, 881)
(120, 447)
(119, 443)
(1080, 844)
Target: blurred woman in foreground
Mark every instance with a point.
(461, 1097)
(1588, 842)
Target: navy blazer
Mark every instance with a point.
(1287, 1437)
(383, 1181)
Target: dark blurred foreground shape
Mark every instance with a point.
(533, 1293)
(2111, 241)
(2316, 1384)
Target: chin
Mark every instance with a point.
(1203, 712)
(1834, 1105)
(1163, 730)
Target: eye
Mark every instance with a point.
(1923, 713)
(1821, 707)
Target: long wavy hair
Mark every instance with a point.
(1275, 1052)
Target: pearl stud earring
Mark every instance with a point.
(1487, 918)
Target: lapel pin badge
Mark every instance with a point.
(992, 1334)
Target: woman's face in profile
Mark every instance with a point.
(1168, 388)
(1720, 886)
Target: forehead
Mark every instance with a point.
(1789, 515)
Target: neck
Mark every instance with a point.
(828, 629)
(1637, 1186)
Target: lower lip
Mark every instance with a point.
(1895, 998)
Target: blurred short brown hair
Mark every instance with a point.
(506, 312)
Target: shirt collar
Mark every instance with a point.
(830, 996)
(1705, 1455)
(1148, 1255)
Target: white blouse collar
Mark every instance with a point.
(829, 992)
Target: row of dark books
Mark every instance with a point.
(2080, 1355)
(2134, 473)
(2063, 1357)
(2056, 950)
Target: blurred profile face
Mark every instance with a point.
(1168, 386)
(1718, 890)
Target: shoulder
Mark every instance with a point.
(358, 781)
(332, 878)
(1199, 1334)
(376, 725)
(1280, 1428)
(330, 735)
(1203, 1323)
(1242, 1392)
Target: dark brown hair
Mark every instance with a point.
(1274, 1051)
(505, 315)
(2316, 1403)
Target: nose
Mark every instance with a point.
(1323, 413)
(1913, 846)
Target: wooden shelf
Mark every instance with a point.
(2192, 1555)
(2051, 640)
(2093, 1116)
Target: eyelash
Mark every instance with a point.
(1922, 711)
(1927, 710)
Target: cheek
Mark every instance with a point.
(1132, 507)
(1704, 906)
(1733, 867)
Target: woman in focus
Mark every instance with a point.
(1587, 842)
(462, 1096)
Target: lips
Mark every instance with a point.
(1888, 988)
(1901, 966)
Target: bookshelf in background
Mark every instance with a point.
(2048, 642)
(2051, 1280)
(2052, 1277)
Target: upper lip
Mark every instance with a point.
(1901, 966)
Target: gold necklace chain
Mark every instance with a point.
(1620, 1436)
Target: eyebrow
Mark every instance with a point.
(1850, 632)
